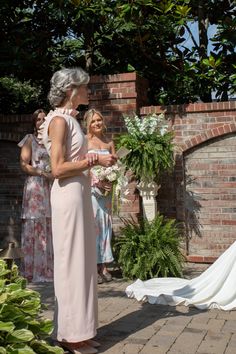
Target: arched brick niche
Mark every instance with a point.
(209, 196)
(11, 188)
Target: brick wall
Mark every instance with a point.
(12, 128)
(201, 191)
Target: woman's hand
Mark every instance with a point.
(107, 160)
(92, 158)
(48, 175)
(42, 173)
(106, 185)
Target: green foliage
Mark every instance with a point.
(22, 328)
(149, 249)
(151, 150)
(149, 157)
(17, 96)
(108, 37)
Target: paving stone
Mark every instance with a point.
(214, 344)
(188, 342)
(184, 320)
(229, 326)
(111, 348)
(211, 324)
(144, 333)
(154, 350)
(227, 315)
(215, 325)
(162, 340)
(205, 314)
(132, 348)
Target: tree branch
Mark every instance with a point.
(192, 37)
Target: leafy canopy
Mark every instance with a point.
(108, 37)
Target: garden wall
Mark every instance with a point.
(201, 192)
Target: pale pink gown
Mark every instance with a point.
(74, 242)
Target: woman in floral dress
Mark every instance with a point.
(101, 194)
(36, 237)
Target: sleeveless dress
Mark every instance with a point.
(102, 209)
(213, 289)
(74, 241)
(36, 236)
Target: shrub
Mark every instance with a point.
(18, 96)
(149, 249)
(22, 328)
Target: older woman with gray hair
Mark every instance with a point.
(73, 226)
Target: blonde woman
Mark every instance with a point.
(100, 144)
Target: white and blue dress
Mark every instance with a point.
(102, 208)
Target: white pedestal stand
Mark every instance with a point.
(148, 192)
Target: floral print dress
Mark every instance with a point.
(36, 236)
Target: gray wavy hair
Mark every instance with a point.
(63, 80)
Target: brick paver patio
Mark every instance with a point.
(126, 326)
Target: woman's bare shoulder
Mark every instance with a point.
(111, 143)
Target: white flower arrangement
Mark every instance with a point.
(145, 126)
(150, 143)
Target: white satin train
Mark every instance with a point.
(215, 288)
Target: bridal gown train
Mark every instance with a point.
(215, 288)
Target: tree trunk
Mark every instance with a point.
(203, 24)
(88, 60)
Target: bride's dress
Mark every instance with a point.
(214, 288)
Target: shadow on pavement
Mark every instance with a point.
(122, 328)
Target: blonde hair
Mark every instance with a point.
(88, 117)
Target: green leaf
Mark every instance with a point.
(11, 311)
(21, 335)
(19, 349)
(46, 326)
(6, 326)
(41, 347)
(3, 298)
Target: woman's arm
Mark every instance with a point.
(25, 159)
(112, 147)
(62, 168)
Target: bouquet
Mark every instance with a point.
(114, 174)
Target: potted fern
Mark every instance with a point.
(146, 249)
(151, 153)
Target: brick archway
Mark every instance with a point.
(208, 135)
